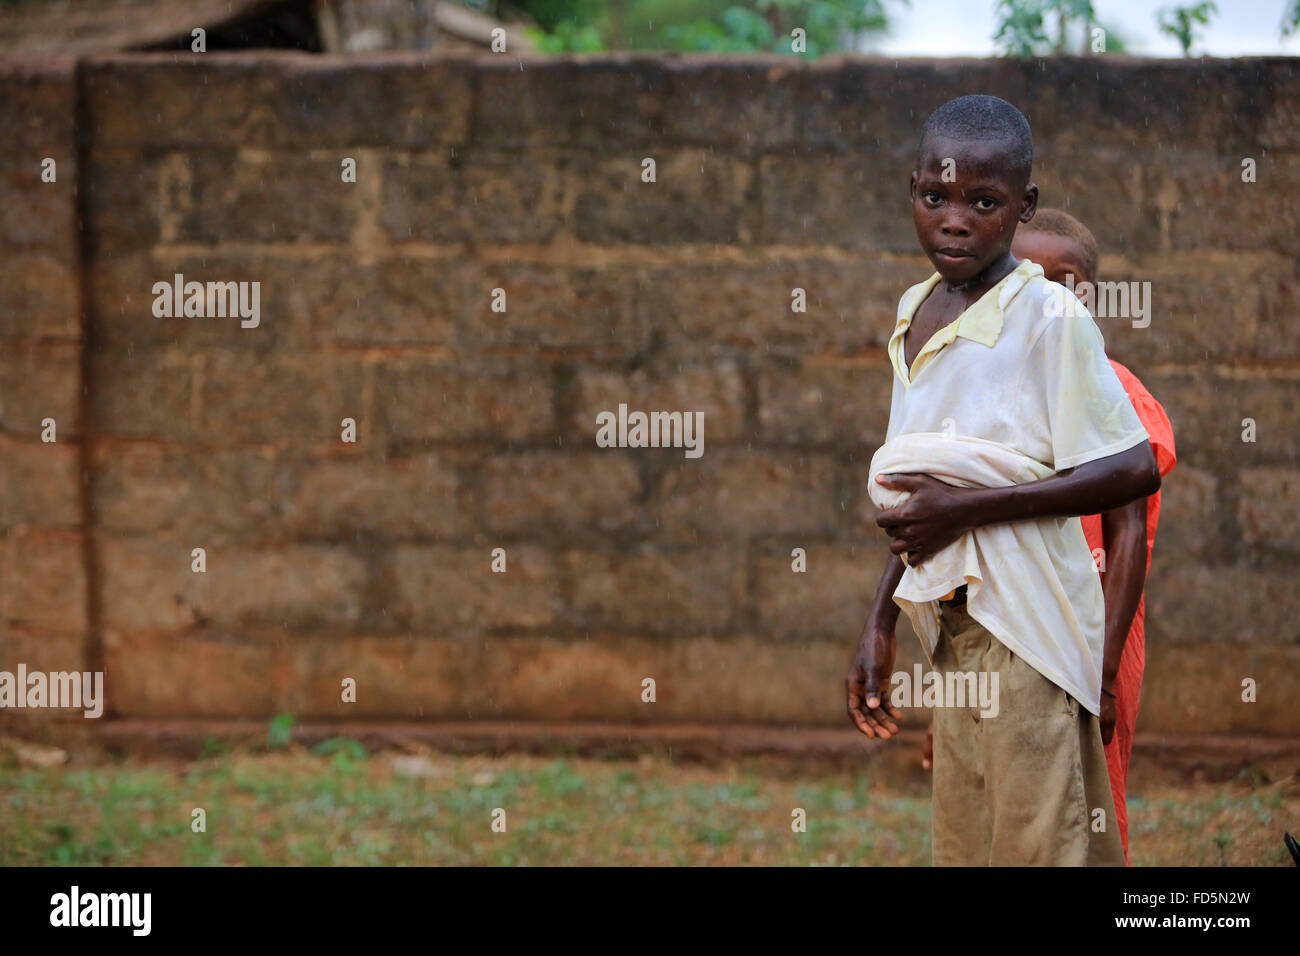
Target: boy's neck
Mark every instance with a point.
(974, 287)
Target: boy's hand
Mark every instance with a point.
(868, 684)
(927, 522)
(927, 750)
(1107, 718)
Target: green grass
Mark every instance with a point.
(337, 804)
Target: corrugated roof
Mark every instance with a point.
(105, 26)
(66, 26)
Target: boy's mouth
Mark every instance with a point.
(953, 255)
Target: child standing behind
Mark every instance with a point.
(1124, 537)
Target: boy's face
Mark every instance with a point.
(966, 203)
(1060, 256)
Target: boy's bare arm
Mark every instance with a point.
(1124, 537)
(873, 661)
(937, 514)
(884, 612)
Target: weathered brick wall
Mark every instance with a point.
(476, 428)
(43, 553)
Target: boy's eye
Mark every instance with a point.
(931, 197)
(979, 204)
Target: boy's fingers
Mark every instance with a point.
(900, 539)
(855, 711)
(875, 694)
(903, 482)
(877, 700)
(898, 529)
(879, 718)
(870, 709)
(864, 708)
(881, 730)
(909, 553)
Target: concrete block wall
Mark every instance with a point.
(476, 427)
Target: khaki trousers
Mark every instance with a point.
(1027, 787)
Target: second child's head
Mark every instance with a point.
(1064, 247)
(971, 185)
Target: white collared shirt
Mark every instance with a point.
(1025, 367)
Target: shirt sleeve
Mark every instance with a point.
(1156, 422)
(1089, 414)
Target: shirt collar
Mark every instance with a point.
(981, 322)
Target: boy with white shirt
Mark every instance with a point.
(1007, 422)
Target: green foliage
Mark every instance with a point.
(213, 747)
(550, 15)
(740, 30)
(1020, 28)
(280, 732)
(1291, 18)
(352, 750)
(1223, 839)
(567, 37)
(1032, 28)
(718, 26)
(1181, 22)
(1025, 29)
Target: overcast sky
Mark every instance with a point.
(965, 28)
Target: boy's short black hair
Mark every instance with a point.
(1058, 222)
(983, 118)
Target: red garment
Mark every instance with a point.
(1128, 682)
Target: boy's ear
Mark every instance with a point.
(1028, 203)
(911, 187)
